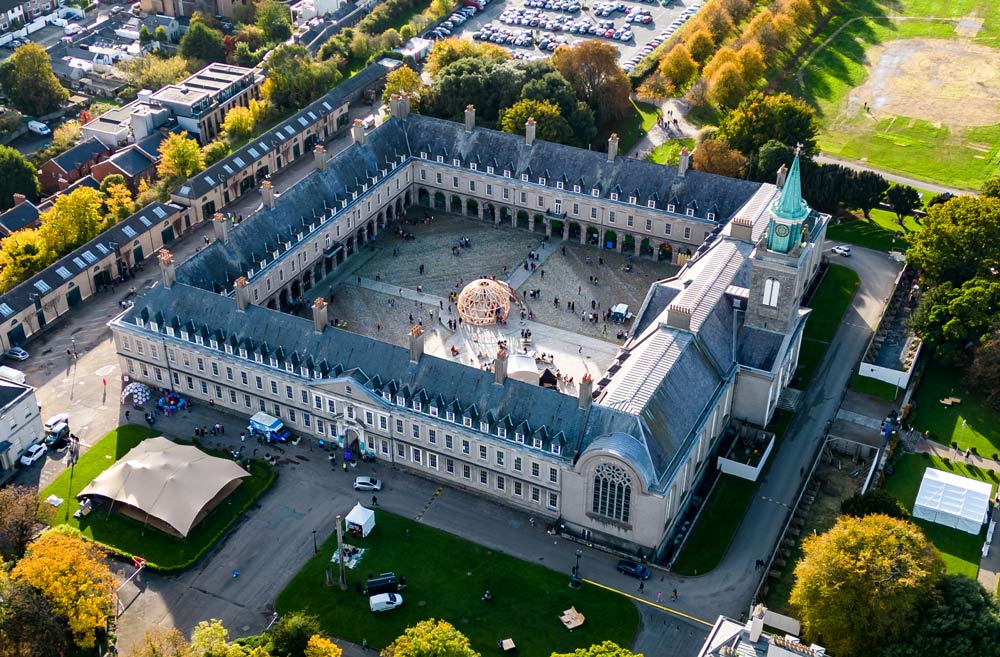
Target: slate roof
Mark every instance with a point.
(19, 216)
(10, 391)
(82, 153)
(132, 161)
(151, 143)
(378, 366)
(758, 348)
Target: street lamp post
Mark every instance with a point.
(315, 547)
(574, 580)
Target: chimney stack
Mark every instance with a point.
(586, 391)
(404, 105)
(242, 294)
(267, 191)
(500, 367)
(394, 106)
(741, 229)
(319, 156)
(19, 198)
(220, 224)
(320, 315)
(358, 132)
(757, 623)
(679, 317)
(683, 162)
(529, 131)
(470, 118)
(613, 147)
(416, 343)
(167, 268)
(782, 174)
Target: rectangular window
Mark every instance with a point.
(291, 415)
(244, 379)
(369, 418)
(484, 477)
(215, 370)
(383, 422)
(535, 470)
(307, 419)
(331, 406)
(449, 466)
(465, 446)
(260, 382)
(611, 216)
(401, 450)
(593, 213)
(506, 194)
(384, 444)
(190, 383)
(204, 387)
(416, 455)
(432, 436)
(518, 488)
(501, 482)
(499, 458)
(318, 402)
(553, 500)
(448, 441)
(229, 373)
(232, 396)
(139, 347)
(536, 495)
(482, 452)
(666, 229)
(399, 426)
(687, 232)
(416, 431)
(649, 225)
(466, 471)
(432, 461)
(553, 475)
(629, 221)
(517, 463)
(247, 402)
(305, 397)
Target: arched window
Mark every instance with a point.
(771, 290)
(612, 492)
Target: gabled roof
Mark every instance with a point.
(84, 152)
(19, 216)
(131, 161)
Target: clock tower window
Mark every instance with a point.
(772, 288)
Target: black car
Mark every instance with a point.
(634, 569)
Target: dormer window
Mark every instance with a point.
(519, 437)
(650, 204)
(559, 184)
(576, 188)
(506, 173)
(417, 406)
(484, 427)
(467, 421)
(423, 155)
(400, 400)
(243, 352)
(273, 362)
(456, 162)
(614, 196)
(449, 416)
(434, 411)
(139, 322)
(199, 340)
(632, 200)
(501, 432)
(710, 216)
(595, 192)
(541, 181)
(473, 166)
(440, 159)
(537, 443)
(386, 395)
(489, 169)
(258, 358)
(347, 389)
(170, 329)
(229, 348)
(524, 177)
(670, 207)
(214, 344)
(184, 334)
(304, 371)
(555, 449)
(290, 368)
(689, 212)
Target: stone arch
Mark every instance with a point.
(455, 205)
(272, 304)
(307, 281)
(628, 243)
(283, 299)
(440, 201)
(404, 203)
(523, 220)
(611, 240)
(296, 289)
(471, 207)
(593, 236)
(423, 197)
(574, 230)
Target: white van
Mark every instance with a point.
(72, 28)
(9, 373)
(39, 128)
(384, 601)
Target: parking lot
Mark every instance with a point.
(534, 28)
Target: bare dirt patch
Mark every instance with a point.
(935, 80)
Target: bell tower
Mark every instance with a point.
(778, 268)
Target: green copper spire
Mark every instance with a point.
(790, 205)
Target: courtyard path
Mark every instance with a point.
(659, 136)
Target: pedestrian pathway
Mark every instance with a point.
(521, 275)
(661, 135)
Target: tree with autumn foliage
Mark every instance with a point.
(603, 649)
(678, 65)
(403, 80)
(858, 586)
(320, 646)
(20, 513)
(74, 579)
(450, 50)
(549, 123)
(716, 156)
(592, 70)
(180, 158)
(431, 637)
(28, 627)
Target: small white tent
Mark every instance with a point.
(360, 520)
(953, 501)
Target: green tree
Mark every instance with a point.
(28, 626)
(958, 240)
(29, 82)
(74, 219)
(20, 513)
(959, 619)
(903, 200)
(110, 180)
(145, 36)
(294, 79)
(549, 123)
(274, 19)
(239, 124)
(290, 635)
(760, 118)
(403, 80)
(180, 158)
(153, 72)
(991, 187)
(591, 69)
(450, 50)
(22, 254)
(678, 65)
(202, 43)
(431, 637)
(72, 575)
(160, 34)
(955, 317)
(605, 649)
(858, 585)
(491, 84)
(873, 502)
(251, 35)
(547, 84)
(866, 191)
(983, 373)
(17, 176)
(770, 157)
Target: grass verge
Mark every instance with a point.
(639, 120)
(669, 153)
(972, 423)
(874, 387)
(829, 303)
(960, 550)
(128, 537)
(446, 578)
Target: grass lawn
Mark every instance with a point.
(874, 387)
(129, 537)
(919, 145)
(879, 233)
(829, 303)
(446, 578)
(638, 121)
(981, 428)
(960, 550)
(669, 153)
(726, 506)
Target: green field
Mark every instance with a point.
(882, 232)
(832, 299)
(921, 145)
(641, 118)
(669, 153)
(960, 550)
(129, 537)
(972, 423)
(446, 578)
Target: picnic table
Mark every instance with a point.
(571, 618)
(949, 401)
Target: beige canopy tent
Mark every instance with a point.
(166, 485)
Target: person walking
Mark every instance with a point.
(673, 596)
(659, 596)
(642, 586)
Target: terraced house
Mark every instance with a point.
(616, 464)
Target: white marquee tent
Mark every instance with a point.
(360, 520)
(952, 500)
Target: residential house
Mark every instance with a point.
(62, 170)
(20, 424)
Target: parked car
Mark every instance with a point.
(60, 418)
(843, 250)
(367, 483)
(32, 454)
(633, 569)
(58, 436)
(384, 601)
(16, 353)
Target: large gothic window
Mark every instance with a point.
(612, 492)
(771, 290)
